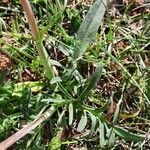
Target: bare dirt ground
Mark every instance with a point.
(5, 62)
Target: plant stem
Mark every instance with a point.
(21, 133)
(44, 57)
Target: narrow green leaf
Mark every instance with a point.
(122, 133)
(62, 88)
(92, 83)
(116, 114)
(94, 121)
(82, 123)
(53, 100)
(102, 133)
(79, 49)
(70, 113)
(55, 80)
(61, 117)
(64, 50)
(111, 138)
(55, 63)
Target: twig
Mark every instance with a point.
(21, 133)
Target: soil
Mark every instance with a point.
(5, 62)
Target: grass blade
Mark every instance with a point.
(129, 75)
